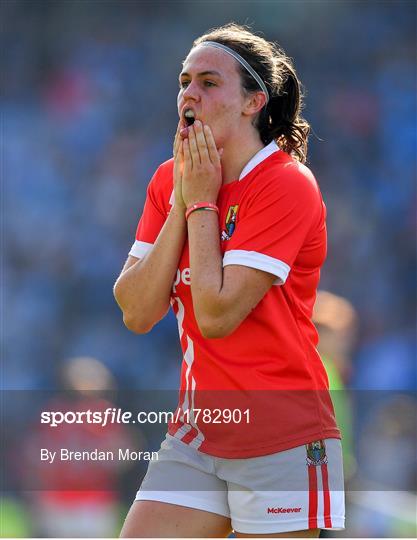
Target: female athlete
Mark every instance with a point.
(233, 237)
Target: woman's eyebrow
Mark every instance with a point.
(201, 74)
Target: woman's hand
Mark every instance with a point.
(202, 173)
(178, 170)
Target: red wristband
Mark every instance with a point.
(201, 206)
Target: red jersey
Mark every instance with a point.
(267, 372)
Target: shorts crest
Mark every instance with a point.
(316, 453)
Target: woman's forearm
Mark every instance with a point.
(206, 268)
(143, 290)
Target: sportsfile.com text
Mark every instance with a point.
(118, 416)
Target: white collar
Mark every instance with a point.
(258, 158)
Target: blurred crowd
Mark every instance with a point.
(88, 111)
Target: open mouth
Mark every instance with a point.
(189, 117)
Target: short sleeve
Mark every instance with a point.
(274, 224)
(153, 216)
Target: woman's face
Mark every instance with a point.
(210, 86)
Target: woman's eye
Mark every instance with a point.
(184, 84)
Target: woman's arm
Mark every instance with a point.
(222, 298)
(143, 288)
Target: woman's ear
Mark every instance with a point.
(255, 102)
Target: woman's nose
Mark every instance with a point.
(191, 91)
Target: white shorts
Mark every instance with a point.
(297, 489)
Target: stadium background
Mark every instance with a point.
(89, 111)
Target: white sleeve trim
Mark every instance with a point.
(140, 249)
(253, 259)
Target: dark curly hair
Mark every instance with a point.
(280, 120)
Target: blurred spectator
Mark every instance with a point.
(337, 325)
(76, 498)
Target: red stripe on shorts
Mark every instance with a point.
(312, 497)
(326, 495)
(191, 435)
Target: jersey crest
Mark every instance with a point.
(230, 224)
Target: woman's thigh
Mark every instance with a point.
(154, 519)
